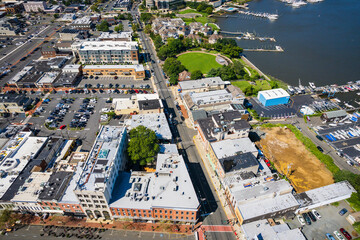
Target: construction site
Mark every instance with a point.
(291, 159)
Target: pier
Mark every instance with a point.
(262, 15)
(277, 49)
(248, 36)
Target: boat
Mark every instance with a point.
(312, 85)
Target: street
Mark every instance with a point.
(211, 206)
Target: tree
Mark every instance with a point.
(146, 17)
(172, 66)
(119, 28)
(147, 28)
(5, 216)
(197, 74)
(103, 26)
(208, 10)
(135, 27)
(56, 15)
(274, 84)
(94, 8)
(143, 145)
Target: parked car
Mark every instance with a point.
(301, 220)
(338, 235)
(343, 211)
(316, 213)
(319, 137)
(312, 216)
(307, 218)
(320, 148)
(330, 237)
(62, 127)
(345, 233)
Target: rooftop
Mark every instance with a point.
(29, 192)
(202, 83)
(232, 147)
(69, 196)
(335, 114)
(137, 68)
(238, 162)
(48, 78)
(122, 35)
(261, 207)
(326, 194)
(154, 121)
(168, 148)
(83, 20)
(169, 187)
(20, 74)
(150, 104)
(274, 93)
(101, 159)
(212, 97)
(266, 231)
(108, 45)
(55, 187)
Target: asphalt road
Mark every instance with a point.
(210, 204)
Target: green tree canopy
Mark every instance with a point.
(103, 26)
(119, 28)
(143, 145)
(146, 17)
(172, 66)
(197, 74)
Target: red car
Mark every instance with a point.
(62, 127)
(266, 160)
(137, 91)
(268, 164)
(346, 234)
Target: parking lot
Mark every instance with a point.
(88, 118)
(330, 221)
(344, 138)
(105, 81)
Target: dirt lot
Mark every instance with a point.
(282, 147)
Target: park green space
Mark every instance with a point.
(198, 61)
(259, 84)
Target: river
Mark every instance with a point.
(321, 40)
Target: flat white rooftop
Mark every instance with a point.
(274, 93)
(83, 20)
(124, 103)
(232, 147)
(151, 96)
(332, 191)
(48, 78)
(278, 232)
(154, 121)
(108, 45)
(203, 98)
(69, 196)
(169, 187)
(115, 35)
(262, 207)
(137, 67)
(101, 158)
(202, 83)
(30, 191)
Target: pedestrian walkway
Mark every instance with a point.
(220, 192)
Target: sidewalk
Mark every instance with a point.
(216, 184)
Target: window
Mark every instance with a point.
(96, 201)
(93, 196)
(82, 200)
(155, 211)
(156, 216)
(90, 205)
(160, 211)
(87, 200)
(97, 206)
(86, 196)
(192, 213)
(103, 206)
(165, 211)
(102, 201)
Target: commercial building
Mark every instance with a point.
(203, 85)
(83, 23)
(257, 200)
(334, 115)
(273, 97)
(228, 157)
(35, 6)
(264, 229)
(324, 195)
(154, 121)
(47, 79)
(97, 179)
(6, 29)
(136, 71)
(223, 125)
(121, 36)
(138, 104)
(164, 195)
(14, 103)
(121, 5)
(106, 52)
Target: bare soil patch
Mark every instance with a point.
(282, 148)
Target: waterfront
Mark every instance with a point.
(321, 41)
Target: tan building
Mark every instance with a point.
(139, 104)
(137, 71)
(11, 103)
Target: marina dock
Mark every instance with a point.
(277, 49)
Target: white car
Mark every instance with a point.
(316, 213)
(338, 235)
(301, 220)
(105, 110)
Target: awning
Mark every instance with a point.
(112, 73)
(98, 73)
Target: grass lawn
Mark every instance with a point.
(192, 11)
(202, 20)
(260, 84)
(214, 27)
(199, 61)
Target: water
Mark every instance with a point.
(321, 40)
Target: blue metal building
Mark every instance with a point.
(273, 97)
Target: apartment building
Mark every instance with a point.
(98, 52)
(136, 71)
(97, 179)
